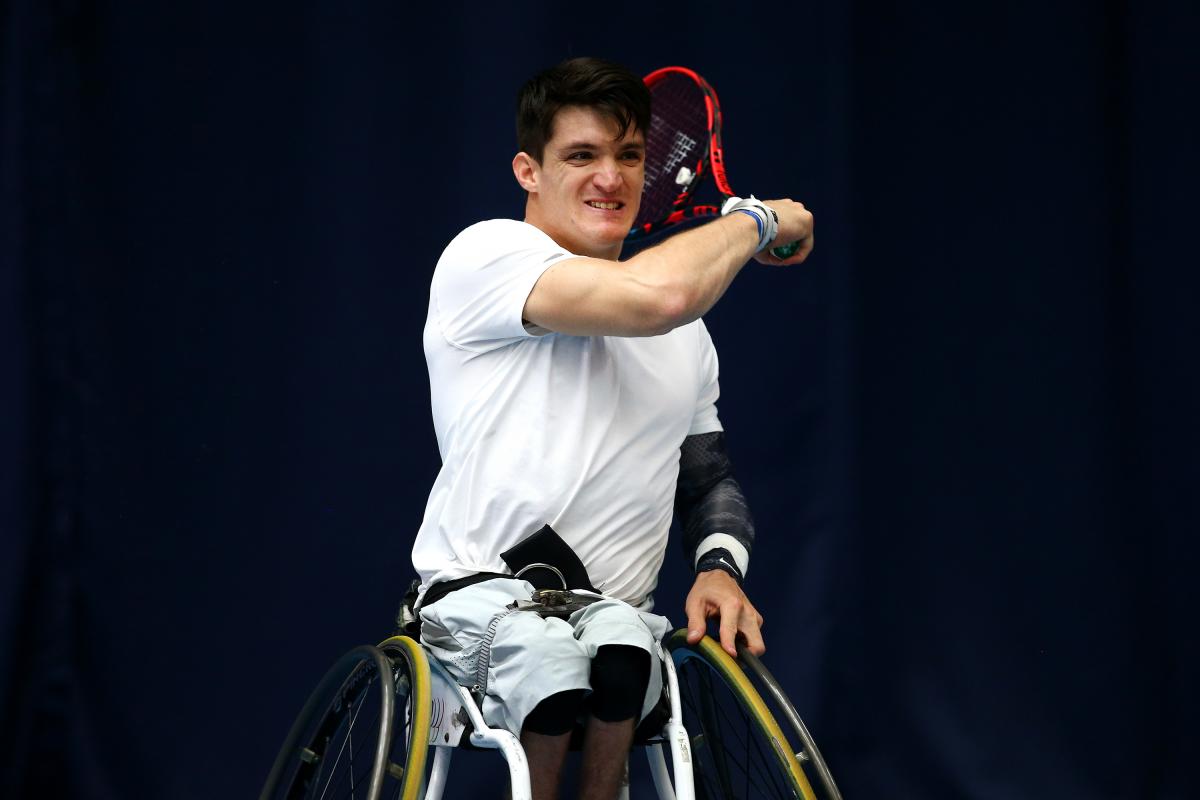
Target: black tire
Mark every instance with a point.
(738, 751)
(359, 736)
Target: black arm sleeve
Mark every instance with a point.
(708, 500)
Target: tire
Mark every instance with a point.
(810, 757)
(359, 736)
(738, 750)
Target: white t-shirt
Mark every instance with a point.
(535, 427)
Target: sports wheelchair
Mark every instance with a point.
(366, 730)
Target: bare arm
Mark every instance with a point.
(662, 287)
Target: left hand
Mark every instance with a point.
(716, 593)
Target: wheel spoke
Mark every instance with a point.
(733, 754)
(330, 752)
(355, 709)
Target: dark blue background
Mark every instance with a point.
(967, 425)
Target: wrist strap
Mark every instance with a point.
(722, 559)
(756, 217)
(764, 215)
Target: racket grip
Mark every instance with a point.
(785, 251)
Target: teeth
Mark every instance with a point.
(612, 206)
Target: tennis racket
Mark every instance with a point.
(683, 145)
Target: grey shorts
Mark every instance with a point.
(533, 658)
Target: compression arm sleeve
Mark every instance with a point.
(718, 531)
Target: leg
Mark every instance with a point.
(620, 674)
(529, 658)
(545, 736)
(605, 751)
(537, 672)
(545, 755)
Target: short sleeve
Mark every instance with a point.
(704, 419)
(483, 279)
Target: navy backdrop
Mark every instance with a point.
(967, 425)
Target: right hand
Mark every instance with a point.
(795, 225)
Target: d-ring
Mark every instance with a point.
(553, 569)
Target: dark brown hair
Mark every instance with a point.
(594, 83)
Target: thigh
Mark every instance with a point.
(453, 628)
(614, 622)
(527, 658)
(531, 659)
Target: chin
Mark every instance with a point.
(605, 244)
(610, 233)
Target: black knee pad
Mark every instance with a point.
(620, 675)
(556, 714)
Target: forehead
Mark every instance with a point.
(581, 123)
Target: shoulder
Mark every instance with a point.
(499, 235)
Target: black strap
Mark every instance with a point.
(543, 547)
(442, 588)
(547, 547)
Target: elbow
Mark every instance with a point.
(667, 309)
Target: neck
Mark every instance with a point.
(564, 238)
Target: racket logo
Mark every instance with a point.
(681, 147)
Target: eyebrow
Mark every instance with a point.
(592, 146)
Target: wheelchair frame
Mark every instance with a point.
(448, 731)
(450, 717)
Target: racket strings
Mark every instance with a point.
(677, 141)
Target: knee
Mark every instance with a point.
(556, 714)
(619, 678)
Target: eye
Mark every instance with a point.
(632, 156)
(580, 156)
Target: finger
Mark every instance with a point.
(697, 622)
(806, 246)
(729, 627)
(752, 634)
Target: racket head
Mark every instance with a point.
(683, 145)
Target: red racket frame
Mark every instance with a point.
(712, 159)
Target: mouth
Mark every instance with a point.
(606, 205)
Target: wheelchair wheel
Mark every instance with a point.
(738, 749)
(809, 756)
(346, 743)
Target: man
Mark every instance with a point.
(574, 402)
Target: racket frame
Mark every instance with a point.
(712, 159)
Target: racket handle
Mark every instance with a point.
(785, 251)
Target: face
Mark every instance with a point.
(586, 191)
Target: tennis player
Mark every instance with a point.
(574, 400)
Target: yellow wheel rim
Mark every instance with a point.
(418, 743)
(711, 652)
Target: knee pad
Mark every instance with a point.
(556, 714)
(620, 675)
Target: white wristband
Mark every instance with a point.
(768, 220)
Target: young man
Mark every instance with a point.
(574, 403)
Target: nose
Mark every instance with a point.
(608, 176)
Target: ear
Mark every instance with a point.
(526, 170)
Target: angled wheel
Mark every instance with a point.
(739, 751)
(363, 732)
(810, 757)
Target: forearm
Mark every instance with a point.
(718, 529)
(656, 291)
(694, 268)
